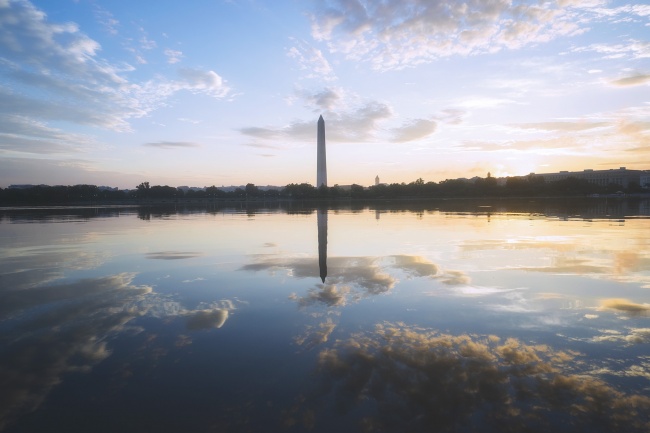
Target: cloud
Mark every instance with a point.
(323, 100)
(409, 378)
(633, 49)
(344, 274)
(66, 329)
(146, 43)
(634, 80)
(395, 34)
(558, 143)
(14, 301)
(328, 295)
(173, 255)
(312, 60)
(262, 146)
(28, 39)
(206, 319)
(25, 135)
(186, 120)
(266, 133)
(348, 118)
(171, 144)
(414, 130)
(208, 82)
(193, 280)
(575, 126)
(625, 306)
(635, 336)
(56, 74)
(71, 110)
(451, 116)
(23, 271)
(65, 171)
(359, 124)
(173, 56)
(29, 145)
(454, 278)
(106, 19)
(315, 335)
(352, 278)
(415, 265)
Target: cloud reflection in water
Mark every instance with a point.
(411, 379)
(626, 306)
(173, 255)
(65, 331)
(206, 319)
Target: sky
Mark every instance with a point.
(218, 92)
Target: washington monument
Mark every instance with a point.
(321, 159)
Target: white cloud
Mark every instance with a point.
(173, 56)
(632, 49)
(146, 43)
(394, 34)
(53, 72)
(186, 120)
(106, 19)
(312, 61)
(197, 81)
(49, 49)
(635, 336)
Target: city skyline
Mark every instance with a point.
(225, 92)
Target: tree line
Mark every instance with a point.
(525, 186)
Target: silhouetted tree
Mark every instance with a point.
(300, 191)
(143, 189)
(252, 190)
(356, 191)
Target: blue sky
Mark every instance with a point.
(228, 92)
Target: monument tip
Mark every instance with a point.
(320, 118)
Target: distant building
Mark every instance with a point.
(620, 176)
(24, 186)
(644, 180)
(376, 180)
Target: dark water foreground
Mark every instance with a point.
(420, 316)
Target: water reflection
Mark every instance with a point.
(62, 328)
(566, 209)
(172, 255)
(321, 221)
(404, 378)
(226, 318)
(626, 306)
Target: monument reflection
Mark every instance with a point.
(321, 221)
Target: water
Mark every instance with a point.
(432, 317)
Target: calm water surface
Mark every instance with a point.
(427, 317)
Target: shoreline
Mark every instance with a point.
(144, 203)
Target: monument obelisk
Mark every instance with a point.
(321, 159)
